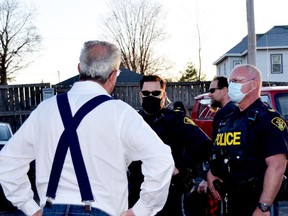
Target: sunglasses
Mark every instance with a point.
(153, 93)
(212, 90)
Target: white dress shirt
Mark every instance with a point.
(110, 137)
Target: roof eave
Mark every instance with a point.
(274, 47)
(229, 55)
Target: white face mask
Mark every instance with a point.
(235, 93)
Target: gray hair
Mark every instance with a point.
(98, 59)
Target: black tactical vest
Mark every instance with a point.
(238, 146)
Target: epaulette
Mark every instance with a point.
(268, 109)
(180, 114)
(272, 110)
(276, 119)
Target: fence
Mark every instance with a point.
(18, 101)
(182, 91)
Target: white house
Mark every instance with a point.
(271, 55)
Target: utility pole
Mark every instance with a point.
(251, 32)
(58, 76)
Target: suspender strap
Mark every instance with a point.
(69, 139)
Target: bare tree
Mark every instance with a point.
(136, 27)
(199, 44)
(18, 38)
(199, 54)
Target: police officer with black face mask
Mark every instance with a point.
(189, 144)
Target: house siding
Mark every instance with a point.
(226, 66)
(273, 42)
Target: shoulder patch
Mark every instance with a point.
(279, 123)
(188, 120)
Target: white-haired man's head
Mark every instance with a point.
(98, 60)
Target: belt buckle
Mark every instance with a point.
(48, 203)
(87, 206)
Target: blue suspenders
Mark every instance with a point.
(69, 139)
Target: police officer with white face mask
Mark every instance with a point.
(248, 158)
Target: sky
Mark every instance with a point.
(65, 24)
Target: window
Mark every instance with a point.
(281, 100)
(266, 100)
(237, 62)
(204, 111)
(276, 63)
(4, 133)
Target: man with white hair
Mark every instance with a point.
(83, 142)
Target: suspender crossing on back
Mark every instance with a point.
(69, 139)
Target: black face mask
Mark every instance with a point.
(151, 104)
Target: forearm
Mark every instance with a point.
(31, 208)
(38, 213)
(129, 212)
(157, 172)
(153, 194)
(16, 184)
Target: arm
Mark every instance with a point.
(197, 148)
(272, 180)
(157, 167)
(38, 213)
(15, 158)
(154, 189)
(129, 212)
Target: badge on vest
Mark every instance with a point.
(279, 123)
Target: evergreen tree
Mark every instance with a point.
(191, 74)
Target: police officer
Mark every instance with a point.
(189, 144)
(218, 92)
(220, 101)
(249, 156)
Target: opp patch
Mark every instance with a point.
(188, 120)
(279, 123)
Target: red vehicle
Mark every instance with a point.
(276, 97)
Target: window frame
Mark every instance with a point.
(273, 65)
(236, 63)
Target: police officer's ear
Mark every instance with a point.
(225, 91)
(164, 94)
(140, 96)
(255, 84)
(163, 99)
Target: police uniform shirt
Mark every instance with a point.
(247, 138)
(220, 114)
(179, 132)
